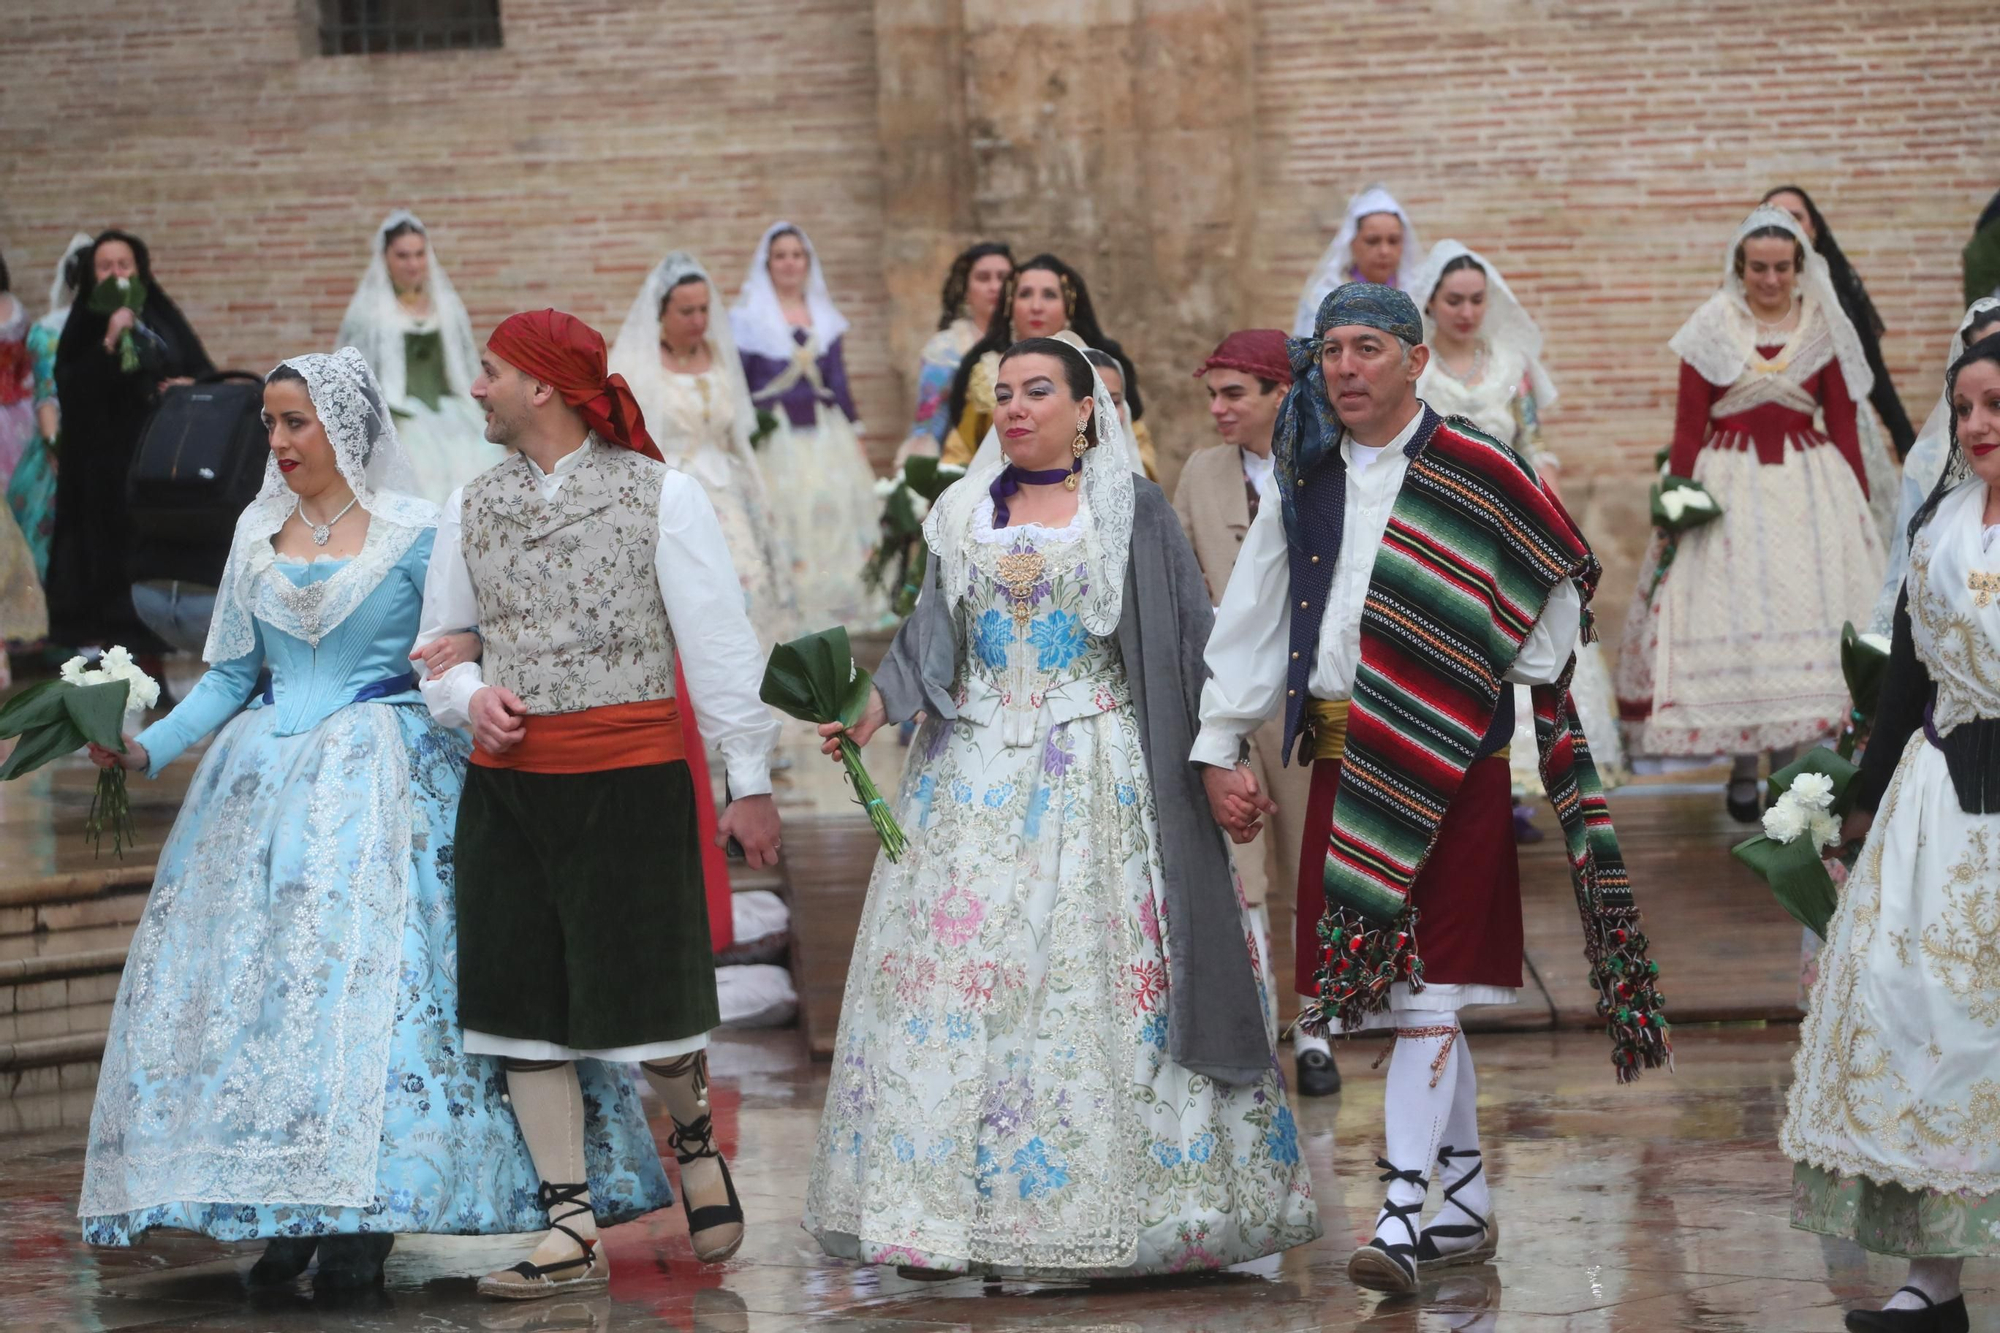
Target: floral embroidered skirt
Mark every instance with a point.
(285, 1055)
(1001, 1097)
(1894, 1114)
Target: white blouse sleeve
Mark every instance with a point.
(449, 606)
(1549, 644)
(1246, 649)
(718, 649)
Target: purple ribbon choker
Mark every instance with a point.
(1010, 481)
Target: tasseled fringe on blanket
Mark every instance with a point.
(1628, 995)
(1359, 961)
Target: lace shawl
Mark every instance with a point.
(636, 355)
(1507, 328)
(1335, 265)
(375, 321)
(758, 320)
(1720, 339)
(375, 466)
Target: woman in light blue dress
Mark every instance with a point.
(284, 1060)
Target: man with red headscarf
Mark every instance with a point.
(586, 565)
(1220, 491)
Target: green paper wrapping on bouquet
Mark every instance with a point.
(1864, 662)
(113, 295)
(1680, 505)
(815, 679)
(1795, 870)
(56, 718)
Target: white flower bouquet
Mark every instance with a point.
(85, 705)
(1802, 828)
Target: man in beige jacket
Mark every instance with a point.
(1219, 492)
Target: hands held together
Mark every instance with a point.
(1236, 801)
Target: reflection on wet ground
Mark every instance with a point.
(1660, 1206)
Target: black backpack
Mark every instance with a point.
(199, 461)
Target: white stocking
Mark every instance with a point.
(1468, 1203)
(1935, 1278)
(548, 1103)
(1416, 1108)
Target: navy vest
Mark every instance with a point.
(1321, 503)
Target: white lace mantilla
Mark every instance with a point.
(1720, 338)
(1105, 507)
(376, 468)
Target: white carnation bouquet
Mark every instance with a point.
(85, 705)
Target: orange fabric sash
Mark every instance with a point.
(593, 740)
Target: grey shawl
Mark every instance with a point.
(1215, 1014)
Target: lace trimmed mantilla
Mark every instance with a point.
(375, 467)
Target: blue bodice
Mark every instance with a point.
(365, 657)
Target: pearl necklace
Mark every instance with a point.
(322, 533)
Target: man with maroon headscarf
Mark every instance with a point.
(586, 565)
(1220, 491)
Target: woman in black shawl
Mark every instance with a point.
(104, 407)
(1860, 311)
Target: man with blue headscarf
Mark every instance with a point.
(1414, 571)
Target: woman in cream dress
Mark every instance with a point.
(1894, 1116)
(1486, 366)
(676, 352)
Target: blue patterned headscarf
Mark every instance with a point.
(1307, 429)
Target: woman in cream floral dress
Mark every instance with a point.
(1020, 1083)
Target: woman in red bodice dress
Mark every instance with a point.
(1733, 646)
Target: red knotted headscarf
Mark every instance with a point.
(563, 351)
(1259, 352)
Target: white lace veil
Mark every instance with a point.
(1506, 324)
(375, 321)
(1720, 337)
(61, 294)
(1927, 457)
(758, 321)
(1932, 461)
(1104, 508)
(375, 466)
(1333, 266)
(635, 354)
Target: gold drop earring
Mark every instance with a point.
(1077, 447)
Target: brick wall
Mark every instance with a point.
(555, 171)
(1602, 153)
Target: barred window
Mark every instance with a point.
(371, 27)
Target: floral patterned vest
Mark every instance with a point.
(569, 603)
(1026, 649)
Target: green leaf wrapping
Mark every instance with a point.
(815, 679)
(36, 706)
(1689, 518)
(98, 712)
(1795, 870)
(1864, 666)
(42, 745)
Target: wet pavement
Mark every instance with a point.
(1658, 1206)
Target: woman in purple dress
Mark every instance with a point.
(822, 487)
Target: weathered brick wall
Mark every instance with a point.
(555, 171)
(1602, 153)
